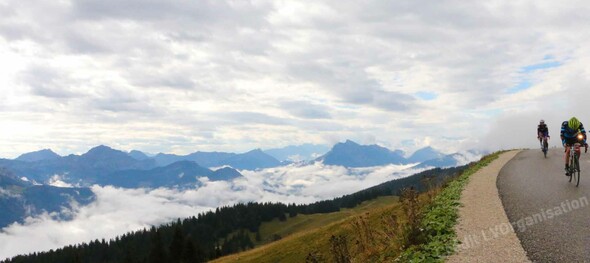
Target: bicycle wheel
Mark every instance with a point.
(577, 170)
(545, 152)
(571, 170)
(545, 147)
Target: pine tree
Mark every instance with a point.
(177, 245)
(189, 252)
(77, 258)
(157, 253)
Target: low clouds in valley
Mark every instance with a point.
(117, 210)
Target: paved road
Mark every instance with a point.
(551, 216)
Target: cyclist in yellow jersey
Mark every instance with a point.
(569, 130)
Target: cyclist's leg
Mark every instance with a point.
(576, 156)
(545, 141)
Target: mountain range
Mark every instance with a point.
(25, 188)
(106, 166)
(252, 160)
(82, 169)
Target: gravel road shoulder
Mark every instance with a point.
(483, 228)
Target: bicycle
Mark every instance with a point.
(574, 164)
(544, 145)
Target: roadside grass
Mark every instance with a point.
(439, 219)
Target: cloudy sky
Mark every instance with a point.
(181, 76)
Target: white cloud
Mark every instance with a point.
(57, 181)
(117, 211)
(162, 76)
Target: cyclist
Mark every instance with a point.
(542, 132)
(569, 130)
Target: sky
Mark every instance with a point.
(182, 76)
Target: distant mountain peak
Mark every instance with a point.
(103, 150)
(100, 148)
(252, 160)
(449, 160)
(45, 154)
(350, 143)
(111, 158)
(225, 174)
(138, 155)
(298, 153)
(352, 154)
(425, 154)
(257, 151)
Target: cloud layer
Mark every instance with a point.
(117, 211)
(164, 76)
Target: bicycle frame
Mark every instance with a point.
(574, 153)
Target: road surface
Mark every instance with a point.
(551, 216)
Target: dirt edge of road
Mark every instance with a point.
(483, 229)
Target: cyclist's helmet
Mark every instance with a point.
(573, 123)
(542, 121)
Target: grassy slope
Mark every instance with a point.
(311, 233)
(308, 233)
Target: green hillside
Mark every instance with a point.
(303, 223)
(310, 234)
(417, 227)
